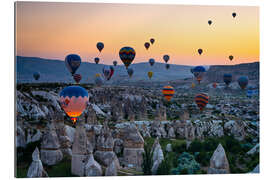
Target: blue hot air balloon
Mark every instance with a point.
(100, 46)
(243, 81)
(151, 61)
(73, 100)
(227, 78)
(36, 75)
(73, 62)
(199, 72)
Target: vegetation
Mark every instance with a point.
(147, 160)
(186, 164)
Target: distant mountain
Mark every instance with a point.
(56, 71)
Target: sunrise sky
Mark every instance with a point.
(54, 30)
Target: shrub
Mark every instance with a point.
(165, 166)
(147, 160)
(186, 164)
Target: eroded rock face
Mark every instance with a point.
(158, 156)
(254, 150)
(36, 167)
(111, 170)
(133, 146)
(236, 129)
(50, 147)
(92, 167)
(219, 163)
(20, 138)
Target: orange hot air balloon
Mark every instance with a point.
(201, 100)
(168, 92)
(193, 85)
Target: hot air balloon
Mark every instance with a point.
(199, 72)
(166, 58)
(168, 92)
(200, 51)
(191, 70)
(150, 74)
(151, 61)
(73, 62)
(214, 85)
(152, 40)
(36, 75)
(73, 100)
(201, 100)
(108, 72)
(243, 81)
(209, 22)
(98, 80)
(114, 63)
(96, 60)
(167, 66)
(100, 46)
(227, 78)
(77, 77)
(127, 54)
(231, 57)
(146, 45)
(233, 14)
(193, 85)
(130, 72)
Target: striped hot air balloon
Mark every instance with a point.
(243, 81)
(127, 55)
(77, 77)
(168, 92)
(201, 100)
(73, 100)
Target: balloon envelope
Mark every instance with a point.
(146, 45)
(98, 80)
(127, 55)
(130, 72)
(233, 14)
(243, 81)
(73, 62)
(36, 75)
(152, 40)
(114, 63)
(77, 77)
(231, 57)
(151, 61)
(73, 100)
(227, 78)
(200, 51)
(166, 58)
(100, 46)
(96, 60)
(201, 100)
(199, 72)
(209, 22)
(108, 72)
(168, 92)
(150, 74)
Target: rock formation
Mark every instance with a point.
(36, 167)
(158, 156)
(50, 147)
(111, 170)
(133, 146)
(79, 150)
(219, 163)
(92, 168)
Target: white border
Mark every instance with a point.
(7, 86)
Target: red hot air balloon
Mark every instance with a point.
(201, 100)
(146, 45)
(214, 85)
(77, 77)
(108, 72)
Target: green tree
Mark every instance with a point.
(147, 160)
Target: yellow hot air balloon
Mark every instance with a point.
(150, 74)
(168, 92)
(193, 85)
